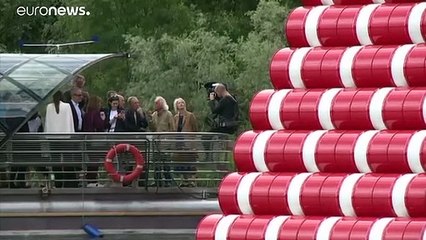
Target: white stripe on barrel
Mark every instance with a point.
(274, 227)
(243, 192)
(311, 25)
(345, 66)
(424, 109)
(363, 22)
(346, 193)
(361, 150)
(327, 2)
(293, 193)
(415, 23)
(398, 194)
(309, 148)
(324, 229)
(376, 107)
(274, 108)
(259, 148)
(398, 65)
(295, 67)
(378, 229)
(414, 151)
(379, 1)
(223, 226)
(324, 108)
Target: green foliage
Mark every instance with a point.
(227, 17)
(112, 19)
(2, 48)
(174, 66)
(14, 27)
(255, 51)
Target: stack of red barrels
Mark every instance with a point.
(337, 149)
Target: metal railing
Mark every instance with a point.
(77, 160)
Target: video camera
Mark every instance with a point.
(210, 86)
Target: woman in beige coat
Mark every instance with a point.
(185, 121)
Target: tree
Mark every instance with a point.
(227, 17)
(111, 21)
(28, 28)
(173, 66)
(176, 66)
(255, 52)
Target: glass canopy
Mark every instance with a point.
(27, 81)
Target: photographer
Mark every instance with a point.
(225, 109)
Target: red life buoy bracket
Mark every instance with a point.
(112, 171)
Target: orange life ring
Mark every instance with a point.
(112, 171)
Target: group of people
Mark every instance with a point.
(77, 111)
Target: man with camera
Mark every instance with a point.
(225, 110)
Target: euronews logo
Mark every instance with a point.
(52, 11)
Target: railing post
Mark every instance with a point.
(147, 159)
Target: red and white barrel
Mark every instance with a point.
(270, 193)
(363, 67)
(352, 2)
(206, 229)
(331, 151)
(235, 227)
(325, 194)
(372, 24)
(343, 109)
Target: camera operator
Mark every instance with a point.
(225, 109)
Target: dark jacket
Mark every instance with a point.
(225, 114)
(83, 104)
(75, 117)
(226, 107)
(141, 121)
(13, 123)
(120, 125)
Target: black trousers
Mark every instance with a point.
(66, 176)
(162, 168)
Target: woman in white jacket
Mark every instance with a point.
(59, 119)
(59, 116)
